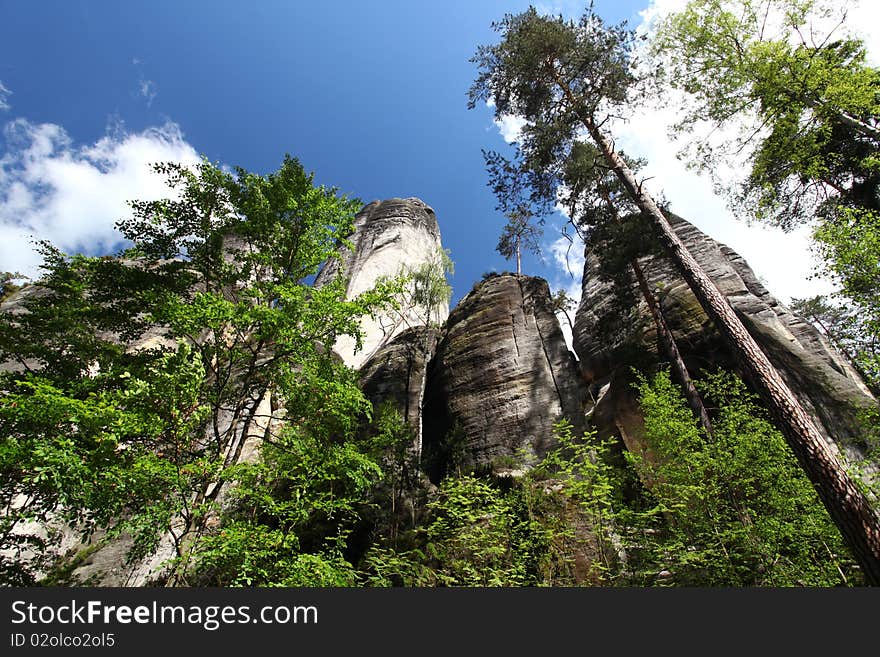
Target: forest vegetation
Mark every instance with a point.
(134, 389)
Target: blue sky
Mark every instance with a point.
(371, 96)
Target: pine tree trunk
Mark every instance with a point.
(848, 506)
(669, 344)
(664, 334)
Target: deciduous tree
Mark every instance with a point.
(105, 425)
(806, 102)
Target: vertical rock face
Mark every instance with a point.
(501, 377)
(821, 378)
(389, 236)
(396, 374)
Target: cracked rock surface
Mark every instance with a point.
(820, 377)
(501, 377)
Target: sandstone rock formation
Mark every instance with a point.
(824, 382)
(501, 377)
(482, 387)
(389, 236)
(396, 374)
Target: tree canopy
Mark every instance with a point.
(564, 78)
(137, 390)
(796, 89)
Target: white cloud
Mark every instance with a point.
(656, 9)
(568, 256)
(4, 94)
(508, 125)
(147, 89)
(72, 196)
(865, 17)
(784, 261)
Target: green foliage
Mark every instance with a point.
(419, 294)
(809, 103)
(8, 286)
(560, 302)
(846, 329)
(90, 452)
(517, 73)
(521, 196)
(400, 494)
(556, 74)
(295, 510)
(104, 425)
(553, 525)
(856, 338)
(81, 417)
(591, 192)
(518, 234)
(477, 534)
(254, 554)
(472, 535)
(430, 287)
(850, 247)
(291, 515)
(564, 77)
(582, 467)
(736, 509)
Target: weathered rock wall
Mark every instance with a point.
(389, 236)
(824, 382)
(501, 377)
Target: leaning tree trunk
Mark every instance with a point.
(669, 344)
(664, 334)
(848, 506)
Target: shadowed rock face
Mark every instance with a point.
(824, 382)
(396, 374)
(389, 235)
(501, 377)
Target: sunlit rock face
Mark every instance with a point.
(481, 387)
(822, 379)
(389, 236)
(501, 378)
